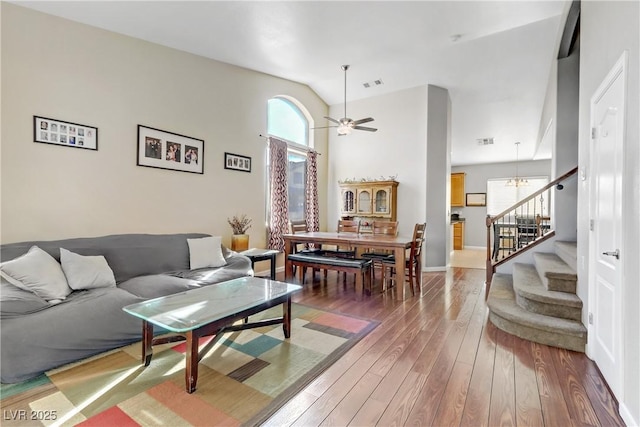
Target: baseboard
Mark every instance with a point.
(476, 247)
(281, 269)
(267, 273)
(626, 415)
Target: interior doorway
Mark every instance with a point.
(606, 287)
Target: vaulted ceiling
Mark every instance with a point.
(495, 58)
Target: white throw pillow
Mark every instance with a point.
(206, 252)
(37, 272)
(86, 272)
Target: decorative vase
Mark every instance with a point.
(239, 242)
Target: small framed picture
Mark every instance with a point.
(237, 162)
(476, 199)
(167, 150)
(58, 132)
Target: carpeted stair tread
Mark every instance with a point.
(568, 252)
(555, 274)
(526, 283)
(510, 317)
(532, 296)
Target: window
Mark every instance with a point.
(296, 186)
(500, 196)
(287, 120)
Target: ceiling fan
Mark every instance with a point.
(345, 125)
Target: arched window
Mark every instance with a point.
(289, 120)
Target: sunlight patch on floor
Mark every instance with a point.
(469, 258)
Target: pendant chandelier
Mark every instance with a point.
(517, 181)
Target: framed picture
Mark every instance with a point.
(167, 150)
(237, 162)
(58, 132)
(476, 199)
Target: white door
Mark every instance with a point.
(605, 266)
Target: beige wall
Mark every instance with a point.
(59, 69)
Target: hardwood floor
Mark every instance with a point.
(436, 360)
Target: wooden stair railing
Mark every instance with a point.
(520, 227)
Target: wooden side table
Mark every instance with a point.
(256, 255)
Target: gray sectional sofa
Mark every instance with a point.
(38, 335)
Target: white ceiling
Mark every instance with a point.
(496, 71)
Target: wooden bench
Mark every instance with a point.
(361, 268)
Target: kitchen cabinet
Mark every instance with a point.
(457, 189)
(458, 235)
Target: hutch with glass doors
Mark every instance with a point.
(369, 200)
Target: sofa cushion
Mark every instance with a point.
(17, 302)
(87, 322)
(86, 272)
(37, 272)
(237, 266)
(157, 285)
(205, 252)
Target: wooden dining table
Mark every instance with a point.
(360, 242)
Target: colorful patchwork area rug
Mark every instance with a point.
(244, 379)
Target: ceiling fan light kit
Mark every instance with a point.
(346, 125)
(344, 129)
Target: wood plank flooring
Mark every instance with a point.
(436, 360)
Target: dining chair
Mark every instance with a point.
(387, 228)
(298, 226)
(413, 263)
(344, 226)
(527, 230)
(347, 226)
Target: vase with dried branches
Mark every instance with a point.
(239, 226)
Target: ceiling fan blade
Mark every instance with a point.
(361, 121)
(365, 128)
(332, 120)
(324, 127)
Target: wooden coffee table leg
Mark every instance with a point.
(191, 369)
(147, 340)
(286, 317)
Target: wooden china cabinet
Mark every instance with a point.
(369, 200)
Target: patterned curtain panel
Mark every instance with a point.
(313, 210)
(279, 221)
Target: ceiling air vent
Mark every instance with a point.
(376, 82)
(485, 141)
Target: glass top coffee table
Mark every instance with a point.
(210, 310)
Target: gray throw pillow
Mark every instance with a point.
(37, 272)
(86, 272)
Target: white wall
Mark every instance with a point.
(476, 176)
(397, 148)
(608, 28)
(59, 69)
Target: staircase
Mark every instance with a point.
(539, 302)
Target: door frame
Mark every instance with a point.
(619, 68)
